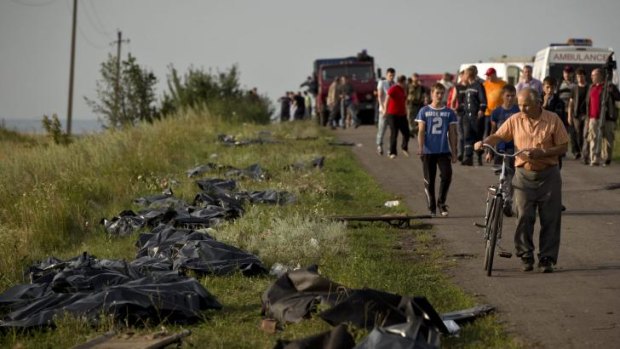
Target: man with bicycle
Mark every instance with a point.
(537, 182)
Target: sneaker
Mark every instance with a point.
(443, 210)
(607, 162)
(432, 213)
(508, 210)
(392, 156)
(577, 156)
(545, 265)
(405, 152)
(379, 150)
(527, 263)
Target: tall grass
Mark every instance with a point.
(51, 199)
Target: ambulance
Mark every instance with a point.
(575, 53)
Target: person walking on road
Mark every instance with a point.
(396, 115)
(601, 137)
(437, 136)
(577, 116)
(529, 81)
(417, 96)
(498, 117)
(474, 103)
(537, 182)
(493, 89)
(382, 87)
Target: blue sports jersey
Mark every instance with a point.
(499, 116)
(437, 123)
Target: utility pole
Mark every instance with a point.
(71, 70)
(118, 43)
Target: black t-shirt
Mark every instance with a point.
(581, 97)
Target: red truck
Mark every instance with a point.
(361, 72)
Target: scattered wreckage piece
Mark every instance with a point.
(342, 143)
(464, 316)
(112, 340)
(87, 288)
(396, 321)
(407, 335)
(301, 166)
(294, 295)
(399, 221)
(208, 167)
(254, 171)
(232, 140)
(268, 197)
(197, 251)
(337, 338)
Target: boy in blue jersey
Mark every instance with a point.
(437, 136)
(498, 117)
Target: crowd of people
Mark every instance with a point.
(453, 120)
(541, 118)
(296, 106)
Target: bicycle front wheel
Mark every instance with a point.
(493, 229)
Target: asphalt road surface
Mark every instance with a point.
(577, 306)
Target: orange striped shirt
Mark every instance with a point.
(545, 132)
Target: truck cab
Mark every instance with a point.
(360, 70)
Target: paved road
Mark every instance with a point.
(578, 306)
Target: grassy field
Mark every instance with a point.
(52, 198)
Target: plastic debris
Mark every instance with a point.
(391, 203)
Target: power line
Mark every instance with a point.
(99, 28)
(83, 34)
(98, 18)
(33, 4)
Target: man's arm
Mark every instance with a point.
(482, 95)
(385, 104)
(538, 153)
(421, 136)
(452, 137)
(491, 140)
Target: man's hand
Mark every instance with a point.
(480, 114)
(488, 157)
(534, 153)
(455, 158)
(478, 145)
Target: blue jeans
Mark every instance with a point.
(381, 129)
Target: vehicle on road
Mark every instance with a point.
(507, 69)
(551, 60)
(361, 72)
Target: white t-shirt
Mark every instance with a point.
(384, 86)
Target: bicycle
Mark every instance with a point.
(493, 216)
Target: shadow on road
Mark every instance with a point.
(591, 213)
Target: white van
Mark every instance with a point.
(507, 71)
(576, 53)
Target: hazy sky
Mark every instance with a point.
(273, 42)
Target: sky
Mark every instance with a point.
(273, 43)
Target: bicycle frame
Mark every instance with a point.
(493, 218)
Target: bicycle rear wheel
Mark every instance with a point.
(494, 226)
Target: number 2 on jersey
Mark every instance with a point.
(436, 127)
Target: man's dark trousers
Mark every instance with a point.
(430, 163)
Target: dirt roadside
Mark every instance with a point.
(577, 306)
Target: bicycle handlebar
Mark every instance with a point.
(488, 146)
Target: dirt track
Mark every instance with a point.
(577, 306)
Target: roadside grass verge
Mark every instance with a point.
(51, 200)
